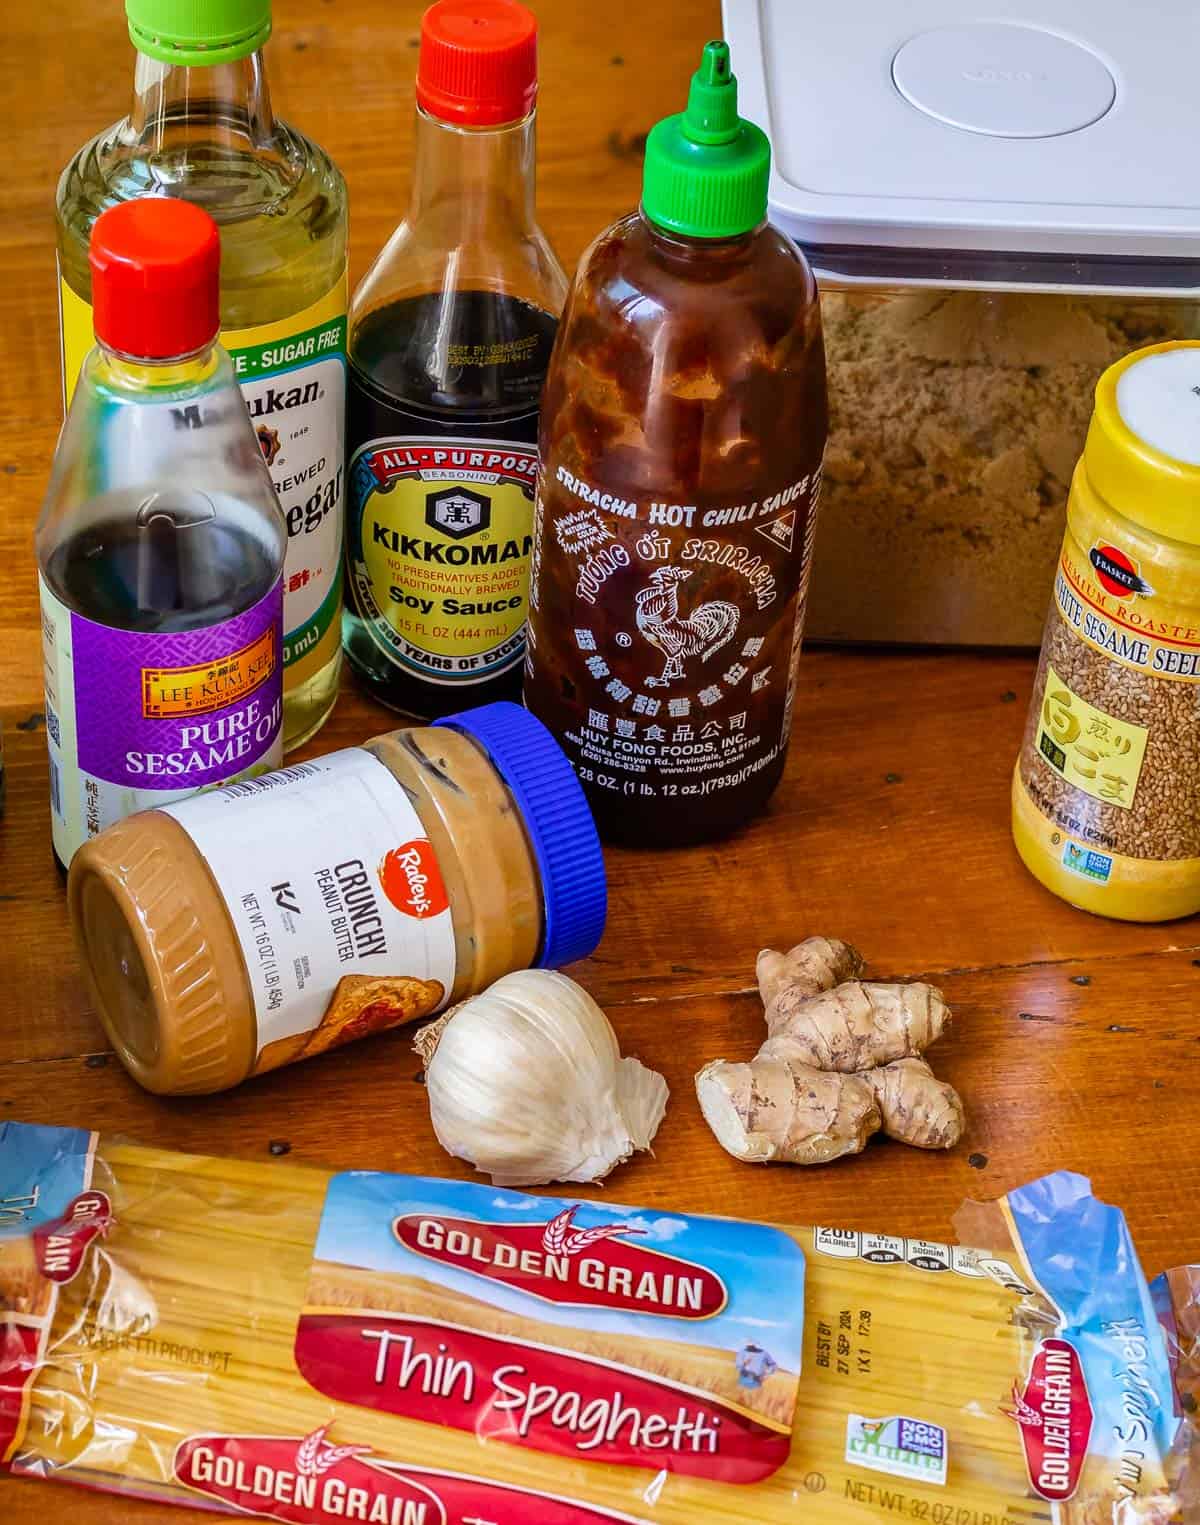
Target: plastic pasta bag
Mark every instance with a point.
(273, 1340)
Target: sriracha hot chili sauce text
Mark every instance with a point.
(450, 336)
(683, 429)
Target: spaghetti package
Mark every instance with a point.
(275, 1341)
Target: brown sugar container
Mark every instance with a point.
(1106, 791)
(283, 916)
(683, 426)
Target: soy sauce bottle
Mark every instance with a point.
(683, 428)
(450, 335)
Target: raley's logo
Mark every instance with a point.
(1117, 572)
(1055, 1416)
(412, 881)
(59, 1247)
(561, 1263)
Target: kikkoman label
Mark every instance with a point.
(440, 535)
(1055, 1416)
(591, 1331)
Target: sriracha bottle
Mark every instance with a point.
(683, 427)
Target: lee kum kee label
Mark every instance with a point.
(595, 1332)
(208, 686)
(1055, 1416)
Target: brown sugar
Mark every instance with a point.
(956, 421)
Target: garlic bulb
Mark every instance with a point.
(526, 1082)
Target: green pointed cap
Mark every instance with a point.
(192, 32)
(707, 170)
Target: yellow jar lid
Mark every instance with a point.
(1143, 447)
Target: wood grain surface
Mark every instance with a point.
(1076, 1042)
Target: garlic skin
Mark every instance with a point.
(526, 1082)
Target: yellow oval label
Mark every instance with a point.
(440, 538)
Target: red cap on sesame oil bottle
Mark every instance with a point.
(156, 266)
(478, 62)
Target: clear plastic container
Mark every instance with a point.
(956, 416)
(995, 214)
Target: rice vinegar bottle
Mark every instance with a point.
(200, 128)
(450, 335)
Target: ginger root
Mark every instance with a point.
(916, 1107)
(841, 1061)
(768, 1110)
(855, 1026)
(818, 963)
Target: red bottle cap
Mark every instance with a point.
(156, 266)
(478, 62)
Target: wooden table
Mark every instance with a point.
(1076, 1042)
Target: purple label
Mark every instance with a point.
(183, 710)
(923, 1439)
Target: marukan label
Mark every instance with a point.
(598, 1267)
(308, 1480)
(592, 1331)
(1055, 1417)
(59, 1247)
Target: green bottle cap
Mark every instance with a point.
(707, 170)
(198, 31)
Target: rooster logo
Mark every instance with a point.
(1021, 1411)
(677, 636)
(315, 1456)
(561, 1237)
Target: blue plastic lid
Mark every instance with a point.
(558, 820)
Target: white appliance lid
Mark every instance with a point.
(1054, 127)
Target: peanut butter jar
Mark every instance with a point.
(282, 916)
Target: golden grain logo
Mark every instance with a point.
(170, 692)
(562, 1262)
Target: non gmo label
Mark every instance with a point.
(901, 1447)
(440, 539)
(336, 897)
(584, 1329)
(1086, 862)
